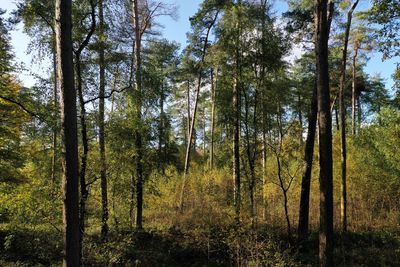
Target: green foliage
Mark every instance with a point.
(248, 51)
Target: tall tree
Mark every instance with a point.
(322, 27)
(144, 13)
(202, 24)
(65, 75)
(82, 115)
(308, 163)
(103, 166)
(138, 114)
(237, 9)
(343, 187)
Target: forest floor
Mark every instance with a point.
(214, 247)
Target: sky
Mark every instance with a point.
(173, 30)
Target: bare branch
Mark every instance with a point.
(109, 95)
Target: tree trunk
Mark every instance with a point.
(138, 117)
(353, 94)
(103, 166)
(188, 119)
(65, 75)
(343, 189)
(236, 118)
(85, 144)
(264, 169)
(300, 114)
(308, 161)
(161, 139)
(193, 120)
(325, 135)
(213, 99)
(251, 153)
(55, 127)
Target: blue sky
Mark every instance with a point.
(173, 30)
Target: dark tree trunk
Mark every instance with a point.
(65, 75)
(85, 141)
(102, 148)
(325, 134)
(236, 119)
(138, 118)
(308, 161)
(85, 144)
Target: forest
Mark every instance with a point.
(262, 141)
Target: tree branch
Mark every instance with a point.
(107, 96)
(33, 114)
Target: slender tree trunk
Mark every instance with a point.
(236, 118)
(343, 188)
(188, 106)
(325, 135)
(65, 75)
(55, 127)
(213, 99)
(204, 131)
(102, 148)
(299, 100)
(359, 112)
(251, 154)
(353, 94)
(193, 120)
(138, 118)
(308, 162)
(161, 142)
(85, 144)
(264, 169)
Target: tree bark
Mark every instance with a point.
(213, 104)
(138, 117)
(308, 162)
(161, 139)
(65, 75)
(325, 134)
(353, 94)
(85, 144)
(264, 168)
(236, 117)
(343, 188)
(102, 149)
(55, 127)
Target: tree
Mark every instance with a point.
(84, 133)
(325, 133)
(143, 15)
(38, 18)
(103, 168)
(65, 76)
(13, 113)
(343, 188)
(202, 25)
(386, 13)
